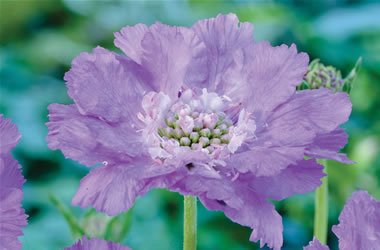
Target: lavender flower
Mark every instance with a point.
(204, 111)
(359, 225)
(12, 215)
(94, 243)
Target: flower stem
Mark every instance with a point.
(321, 208)
(190, 223)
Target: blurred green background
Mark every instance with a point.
(40, 38)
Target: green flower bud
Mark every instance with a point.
(170, 121)
(185, 141)
(198, 125)
(223, 128)
(204, 141)
(205, 132)
(216, 133)
(194, 136)
(321, 76)
(215, 141)
(169, 132)
(225, 139)
(178, 133)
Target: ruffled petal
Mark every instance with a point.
(262, 161)
(9, 135)
(167, 52)
(113, 189)
(260, 215)
(264, 76)
(301, 178)
(129, 40)
(12, 215)
(316, 245)
(222, 37)
(359, 223)
(100, 244)
(10, 173)
(313, 111)
(307, 118)
(326, 146)
(90, 140)
(106, 85)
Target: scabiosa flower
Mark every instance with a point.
(204, 111)
(12, 215)
(359, 225)
(94, 243)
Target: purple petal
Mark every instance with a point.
(88, 139)
(295, 179)
(113, 189)
(99, 244)
(264, 76)
(106, 85)
(222, 36)
(326, 146)
(260, 215)
(308, 117)
(10, 173)
(12, 215)
(359, 223)
(9, 135)
(129, 40)
(316, 245)
(167, 52)
(263, 161)
(309, 112)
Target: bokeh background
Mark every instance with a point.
(40, 38)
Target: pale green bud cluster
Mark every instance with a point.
(201, 136)
(321, 76)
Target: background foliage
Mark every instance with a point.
(40, 38)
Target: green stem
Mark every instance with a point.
(321, 208)
(190, 223)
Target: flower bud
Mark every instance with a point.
(194, 136)
(205, 132)
(321, 76)
(223, 128)
(216, 133)
(204, 141)
(225, 139)
(185, 141)
(215, 141)
(178, 133)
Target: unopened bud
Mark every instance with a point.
(225, 139)
(204, 141)
(194, 136)
(321, 76)
(205, 132)
(185, 141)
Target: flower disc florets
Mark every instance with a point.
(197, 122)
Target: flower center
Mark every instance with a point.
(191, 125)
(193, 122)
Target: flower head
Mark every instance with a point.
(12, 215)
(94, 243)
(359, 225)
(204, 111)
